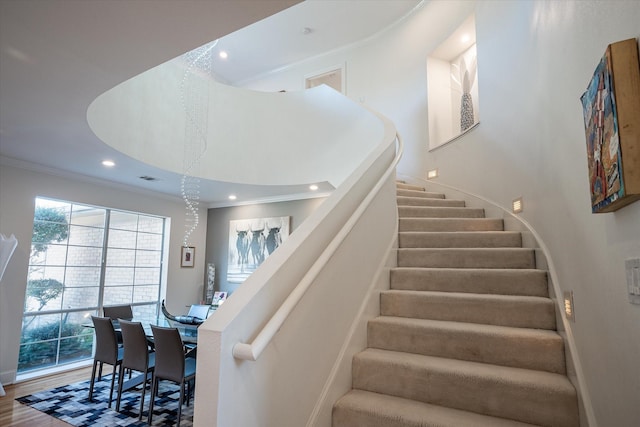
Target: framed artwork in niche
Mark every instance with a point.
(611, 109)
(452, 86)
(251, 241)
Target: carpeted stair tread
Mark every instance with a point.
(439, 212)
(405, 186)
(450, 224)
(473, 280)
(524, 395)
(467, 257)
(459, 239)
(419, 193)
(360, 408)
(502, 310)
(505, 346)
(425, 201)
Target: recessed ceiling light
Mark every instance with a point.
(465, 38)
(232, 197)
(313, 187)
(108, 163)
(223, 54)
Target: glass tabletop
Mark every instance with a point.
(188, 333)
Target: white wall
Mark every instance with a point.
(248, 132)
(535, 59)
(440, 106)
(285, 386)
(18, 189)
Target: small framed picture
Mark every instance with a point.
(187, 256)
(219, 298)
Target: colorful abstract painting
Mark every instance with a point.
(603, 140)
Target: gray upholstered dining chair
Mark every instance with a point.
(137, 357)
(115, 312)
(171, 365)
(107, 351)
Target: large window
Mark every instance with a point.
(83, 258)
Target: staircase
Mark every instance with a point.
(466, 335)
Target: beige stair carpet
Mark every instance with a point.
(467, 332)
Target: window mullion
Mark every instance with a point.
(103, 261)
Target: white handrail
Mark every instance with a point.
(252, 351)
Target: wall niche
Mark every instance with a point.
(452, 86)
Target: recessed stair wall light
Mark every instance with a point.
(232, 197)
(517, 205)
(569, 312)
(108, 163)
(433, 173)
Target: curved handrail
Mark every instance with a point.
(254, 350)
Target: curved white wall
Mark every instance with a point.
(535, 59)
(253, 137)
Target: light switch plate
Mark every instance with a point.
(632, 268)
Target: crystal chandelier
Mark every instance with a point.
(194, 95)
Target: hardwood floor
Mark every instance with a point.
(14, 414)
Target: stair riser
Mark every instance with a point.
(423, 201)
(416, 193)
(438, 212)
(364, 409)
(537, 314)
(467, 258)
(485, 394)
(537, 350)
(486, 239)
(506, 282)
(449, 224)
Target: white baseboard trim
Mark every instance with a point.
(7, 377)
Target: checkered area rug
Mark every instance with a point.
(71, 404)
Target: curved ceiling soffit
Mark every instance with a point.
(257, 138)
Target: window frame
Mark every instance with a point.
(154, 228)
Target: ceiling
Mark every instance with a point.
(57, 56)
